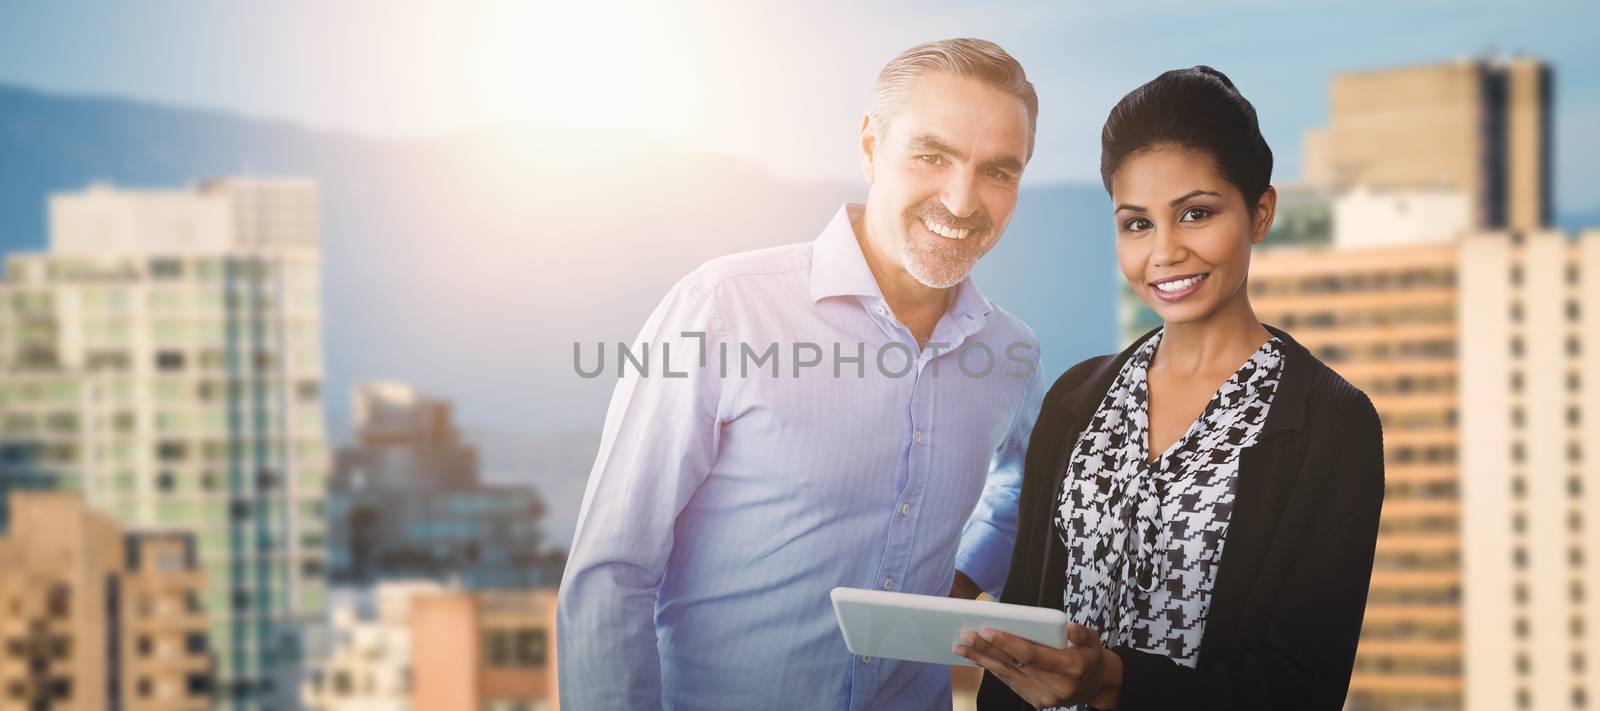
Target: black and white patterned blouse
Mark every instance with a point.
(1144, 538)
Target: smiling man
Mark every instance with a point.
(725, 503)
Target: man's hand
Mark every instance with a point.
(964, 588)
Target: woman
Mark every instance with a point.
(1204, 505)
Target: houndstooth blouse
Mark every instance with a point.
(1144, 539)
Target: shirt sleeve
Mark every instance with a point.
(658, 445)
(984, 553)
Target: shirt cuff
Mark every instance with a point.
(985, 556)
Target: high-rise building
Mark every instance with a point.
(97, 618)
(406, 502)
(164, 358)
(492, 650)
(368, 667)
(1480, 127)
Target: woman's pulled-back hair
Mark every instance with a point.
(1196, 108)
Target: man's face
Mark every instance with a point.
(944, 176)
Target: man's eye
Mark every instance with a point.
(1195, 214)
(998, 174)
(930, 159)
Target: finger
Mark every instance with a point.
(974, 640)
(1080, 636)
(1000, 667)
(1022, 681)
(1031, 654)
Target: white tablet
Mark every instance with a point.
(922, 628)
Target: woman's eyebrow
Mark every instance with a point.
(1191, 194)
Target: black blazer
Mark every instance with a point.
(1291, 589)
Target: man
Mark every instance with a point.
(733, 490)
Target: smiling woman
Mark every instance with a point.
(1210, 535)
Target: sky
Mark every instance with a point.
(781, 84)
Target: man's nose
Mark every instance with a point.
(960, 194)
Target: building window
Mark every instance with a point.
(1519, 522)
(1516, 381)
(59, 602)
(1516, 417)
(171, 451)
(1516, 275)
(1574, 346)
(169, 360)
(1519, 557)
(1574, 417)
(1574, 486)
(199, 685)
(164, 482)
(1516, 311)
(166, 268)
(531, 648)
(1519, 486)
(1523, 665)
(1576, 627)
(1574, 312)
(143, 645)
(1519, 593)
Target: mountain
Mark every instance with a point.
(468, 265)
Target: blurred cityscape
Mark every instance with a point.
(179, 530)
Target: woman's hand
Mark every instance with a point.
(1084, 672)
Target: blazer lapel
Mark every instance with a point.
(1262, 492)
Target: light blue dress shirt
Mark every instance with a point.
(732, 492)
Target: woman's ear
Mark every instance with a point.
(1266, 209)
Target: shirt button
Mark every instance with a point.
(917, 436)
(866, 660)
(882, 311)
(888, 584)
(905, 509)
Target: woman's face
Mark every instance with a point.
(1183, 232)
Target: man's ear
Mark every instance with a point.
(869, 147)
(1266, 210)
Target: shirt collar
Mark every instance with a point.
(838, 268)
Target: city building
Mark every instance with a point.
(406, 502)
(368, 667)
(98, 618)
(164, 358)
(492, 650)
(1478, 126)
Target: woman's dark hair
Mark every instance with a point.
(1197, 108)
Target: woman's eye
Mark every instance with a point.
(1195, 214)
(1138, 224)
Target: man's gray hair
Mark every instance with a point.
(963, 57)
